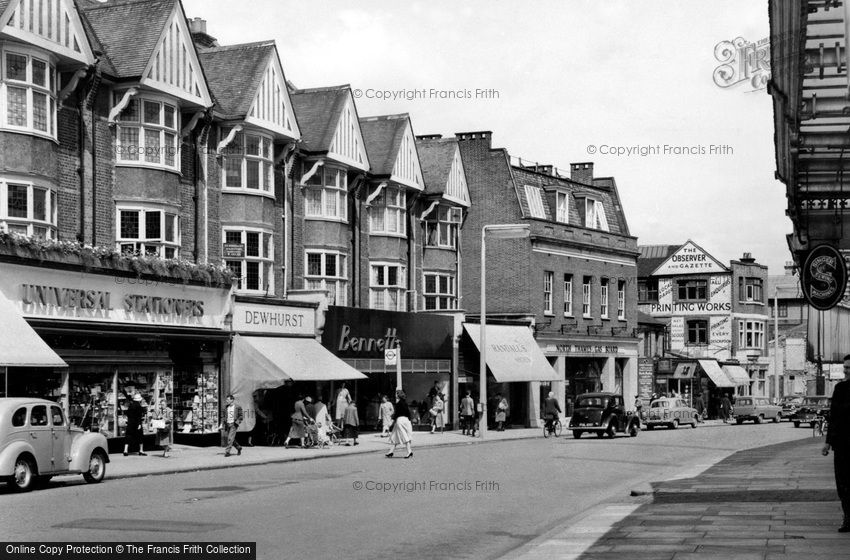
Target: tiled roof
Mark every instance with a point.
(234, 74)
(318, 111)
(3, 5)
(651, 257)
(382, 137)
(436, 157)
(128, 31)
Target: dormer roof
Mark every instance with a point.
(392, 149)
(442, 168)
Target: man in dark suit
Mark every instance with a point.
(838, 438)
(232, 419)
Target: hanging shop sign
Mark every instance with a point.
(273, 319)
(40, 292)
(824, 277)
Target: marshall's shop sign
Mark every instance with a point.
(824, 277)
(366, 333)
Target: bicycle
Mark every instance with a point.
(553, 428)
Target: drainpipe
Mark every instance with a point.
(357, 184)
(81, 167)
(91, 97)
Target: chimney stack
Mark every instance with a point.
(748, 258)
(198, 29)
(479, 136)
(429, 136)
(582, 172)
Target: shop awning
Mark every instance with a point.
(712, 369)
(269, 361)
(737, 374)
(20, 345)
(685, 370)
(512, 354)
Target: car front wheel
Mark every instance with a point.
(24, 475)
(633, 431)
(97, 468)
(759, 419)
(796, 424)
(577, 433)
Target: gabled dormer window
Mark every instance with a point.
(562, 201)
(28, 92)
(147, 133)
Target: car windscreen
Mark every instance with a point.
(661, 404)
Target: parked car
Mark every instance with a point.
(604, 414)
(811, 409)
(757, 409)
(37, 442)
(670, 412)
(789, 406)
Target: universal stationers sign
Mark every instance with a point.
(824, 277)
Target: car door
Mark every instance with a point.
(41, 438)
(61, 438)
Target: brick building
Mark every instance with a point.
(717, 318)
(576, 288)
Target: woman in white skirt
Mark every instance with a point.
(402, 432)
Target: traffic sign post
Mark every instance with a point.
(392, 356)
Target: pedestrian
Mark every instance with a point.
(434, 391)
(725, 408)
(501, 412)
(311, 408)
(299, 416)
(838, 439)
(402, 432)
(386, 415)
(350, 422)
(639, 407)
(134, 433)
(343, 397)
(232, 418)
(467, 414)
(699, 405)
(162, 418)
(551, 410)
(323, 422)
(437, 413)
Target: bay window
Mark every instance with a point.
(247, 162)
(255, 268)
(388, 213)
(441, 230)
(28, 92)
(751, 334)
(148, 231)
(147, 133)
(27, 209)
(326, 270)
(325, 194)
(440, 291)
(387, 287)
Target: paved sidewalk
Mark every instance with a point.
(771, 503)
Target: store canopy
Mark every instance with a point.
(737, 374)
(512, 354)
(20, 345)
(685, 370)
(712, 369)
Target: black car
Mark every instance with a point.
(810, 409)
(789, 406)
(604, 414)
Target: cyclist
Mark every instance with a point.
(551, 410)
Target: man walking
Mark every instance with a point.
(838, 438)
(699, 405)
(725, 408)
(467, 414)
(232, 419)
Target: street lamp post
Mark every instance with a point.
(497, 231)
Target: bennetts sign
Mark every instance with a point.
(824, 277)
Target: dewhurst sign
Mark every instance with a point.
(824, 277)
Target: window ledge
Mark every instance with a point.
(326, 219)
(250, 192)
(148, 166)
(384, 234)
(441, 247)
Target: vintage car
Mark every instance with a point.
(811, 409)
(789, 406)
(670, 412)
(604, 414)
(37, 442)
(757, 409)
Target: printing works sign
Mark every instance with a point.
(824, 277)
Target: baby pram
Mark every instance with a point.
(313, 438)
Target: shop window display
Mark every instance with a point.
(92, 402)
(197, 401)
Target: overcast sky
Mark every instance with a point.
(560, 79)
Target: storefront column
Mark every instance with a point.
(560, 387)
(630, 382)
(607, 376)
(534, 404)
